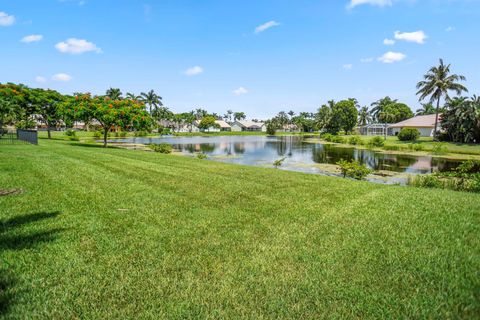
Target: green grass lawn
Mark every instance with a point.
(112, 233)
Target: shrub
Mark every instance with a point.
(415, 147)
(121, 134)
(140, 133)
(97, 134)
(278, 163)
(338, 139)
(466, 177)
(376, 142)
(74, 138)
(161, 148)
(327, 137)
(425, 181)
(353, 169)
(25, 124)
(201, 156)
(70, 133)
(355, 140)
(408, 134)
(165, 131)
(271, 128)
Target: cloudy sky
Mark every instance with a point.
(257, 56)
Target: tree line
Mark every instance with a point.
(460, 116)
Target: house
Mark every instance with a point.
(424, 124)
(244, 125)
(291, 127)
(224, 126)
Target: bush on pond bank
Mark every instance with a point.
(466, 177)
(353, 169)
(161, 148)
(408, 134)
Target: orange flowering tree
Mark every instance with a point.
(15, 102)
(125, 113)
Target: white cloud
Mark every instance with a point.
(388, 42)
(40, 79)
(366, 60)
(391, 57)
(240, 91)
(380, 3)
(416, 36)
(77, 46)
(348, 66)
(62, 77)
(193, 71)
(32, 38)
(265, 26)
(449, 29)
(6, 20)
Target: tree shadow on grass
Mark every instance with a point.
(11, 238)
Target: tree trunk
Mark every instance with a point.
(105, 134)
(49, 134)
(436, 120)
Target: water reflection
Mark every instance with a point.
(301, 155)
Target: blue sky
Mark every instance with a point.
(257, 56)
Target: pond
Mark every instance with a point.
(301, 155)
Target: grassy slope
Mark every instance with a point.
(117, 233)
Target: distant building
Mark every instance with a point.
(424, 124)
(244, 125)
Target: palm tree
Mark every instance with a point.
(437, 83)
(379, 106)
(114, 93)
(152, 99)
(364, 116)
(133, 96)
(427, 108)
(239, 116)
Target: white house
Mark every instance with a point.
(244, 125)
(424, 124)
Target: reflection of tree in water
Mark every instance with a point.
(185, 147)
(331, 154)
(444, 165)
(239, 147)
(207, 147)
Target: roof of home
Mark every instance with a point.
(426, 121)
(250, 124)
(222, 124)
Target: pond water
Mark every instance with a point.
(301, 155)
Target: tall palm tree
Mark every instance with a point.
(152, 100)
(364, 116)
(114, 93)
(438, 81)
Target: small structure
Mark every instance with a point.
(244, 125)
(424, 124)
(373, 129)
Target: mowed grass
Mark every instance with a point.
(112, 233)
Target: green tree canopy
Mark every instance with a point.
(109, 113)
(207, 123)
(396, 112)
